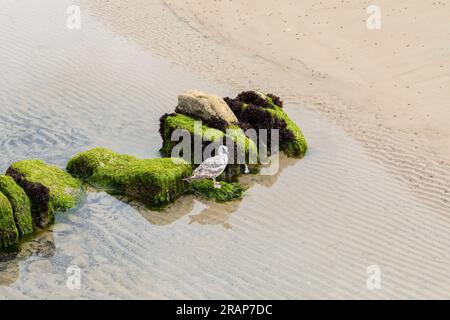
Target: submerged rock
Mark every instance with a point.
(20, 204)
(245, 150)
(49, 188)
(210, 108)
(9, 236)
(260, 111)
(156, 182)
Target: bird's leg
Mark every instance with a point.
(216, 184)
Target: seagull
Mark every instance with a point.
(212, 167)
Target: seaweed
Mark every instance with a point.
(49, 188)
(9, 236)
(227, 191)
(259, 111)
(42, 211)
(156, 182)
(276, 100)
(20, 204)
(235, 105)
(234, 136)
(252, 97)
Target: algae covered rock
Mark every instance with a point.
(9, 236)
(156, 182)
(264, 111)
(20, 204)
(207, 107)
(243, 151)
(227, 191)
(49, 188)
(174, 121)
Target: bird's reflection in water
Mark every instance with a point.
(219, 213)
(40, 245)
(211, 213)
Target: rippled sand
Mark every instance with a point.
(309, 232)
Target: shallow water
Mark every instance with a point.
(309, 232)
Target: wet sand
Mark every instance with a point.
(309, 232)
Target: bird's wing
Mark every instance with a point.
(211, 167)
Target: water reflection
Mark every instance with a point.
(220, 213)
(168, 215)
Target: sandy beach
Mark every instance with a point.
(385, 87)
(396, 76)
(372, 190)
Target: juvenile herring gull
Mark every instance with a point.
(212, 167)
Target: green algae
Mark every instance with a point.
(20, 204)
(64, 189)
(239, 137)
(181, 121)
(49, 188)
(9, 236)
(156, 182)
(227, 191)
(245, 149)
(298, 146)
(184, 122)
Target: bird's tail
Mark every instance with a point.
(188, 179)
